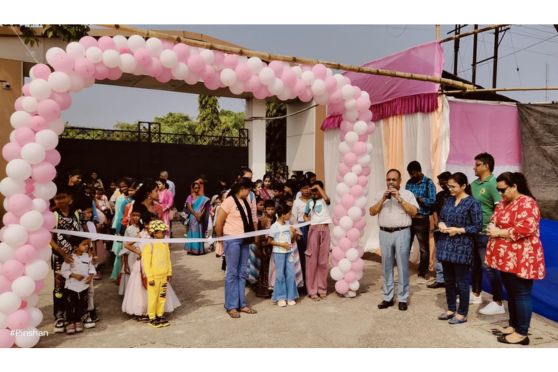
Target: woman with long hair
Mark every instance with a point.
(197, 205)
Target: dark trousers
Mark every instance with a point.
(520, 305)
(76, 305)
(58, 293)
(479, 252)
(421, 229)
(301, 244)
(457, 283)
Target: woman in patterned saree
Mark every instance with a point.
(516, 251)
(197, 206)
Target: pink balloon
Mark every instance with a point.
(106, 43)
(29, 186)
(88, 41)
(353, 234)
(358, 265)
(299, 87)
(360, 251)
(43, 172)
(48, 220)
(335, 108)
(348, 200)
(143, 57)
(341, 287)
(63, 62)
(306, 95)
(10, 219)
(363, 104)
(212, 81)
(362, 181)
(218, 58)
(331, 85)
(18, 320)
(334, 261)
(346, 126)
(40, 71)
(339, 211)
(7, 340)
(166, 44)
(23, 305)
(357, 191)
(53, 157)
(101, 71)
(343, 169)
(359, 148)
(339, 178)
(336, 96)
(289, 78)
(18, 204)
(253, 84)
(371, 128)
(115, 74)
(11, 151)
(277, 67)
(320, 71)
(338, 253)
(24, 135)
(363, 137)
(349, 277)
(360, 224)
(230, 61)
(64, 100)
(345, 244)
(195, 63)
(84, 67)
(365, 171)
(25, 90)
(261, 93)
(39, 285)
(182, 51)
(39, 238)
(38, 123)
(48, 109)
(12, 269)
(5, 284)
(18, 105)
(357, 91)
(26, 254)
(336, 220)
(365, 116)
(243, 72)
(350, 159)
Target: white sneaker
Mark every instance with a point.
(493, 309)
(473, 299)
(291, 303)
(281, 303)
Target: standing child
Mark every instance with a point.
(282, 236)
(265, 249)
(317, 249)
(158, 270)
(79, 275)
(130, 252)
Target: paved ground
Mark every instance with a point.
(335, 322)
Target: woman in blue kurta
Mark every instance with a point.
(460, 220)
(197, 206)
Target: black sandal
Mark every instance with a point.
(233, 313)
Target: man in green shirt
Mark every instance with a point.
(485, 192)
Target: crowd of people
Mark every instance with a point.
(490, 225)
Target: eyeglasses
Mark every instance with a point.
(502, 191)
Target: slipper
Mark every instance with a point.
(233, 313)
(323, 296)
(248, 310)
(314, 298)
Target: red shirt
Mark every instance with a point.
(521, 253)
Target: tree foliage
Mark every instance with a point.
(65, 32)
(276, 135)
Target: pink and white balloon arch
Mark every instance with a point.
(32, 155)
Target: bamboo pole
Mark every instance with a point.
(491, 27)
(291, 59)
(500, 90)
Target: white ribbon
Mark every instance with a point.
(118, 238)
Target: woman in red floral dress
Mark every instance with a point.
(516, 251)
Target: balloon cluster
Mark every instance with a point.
(32, 156)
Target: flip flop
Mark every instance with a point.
(233, 313)
(314, 298)
(248, 310)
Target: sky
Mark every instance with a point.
(528, 57)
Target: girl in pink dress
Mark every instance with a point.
(165, 200)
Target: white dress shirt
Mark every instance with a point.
(392, 214)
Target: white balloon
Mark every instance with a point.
(359, 275)
(9, 302)
(94, 54)
(347, 92)
(29, 104)
(350, 104)
(351, 138)
(35, 315)
(357, 169)
(120, 42)
(59, 82)
(361, 202)
(20, 119)
(237, 88)
(297, 70)
(45, 190)
(111, 58)
(338, 232)
(351, 115)
(3, 320)
(33, 153)
(57, 126)
(365, 160)
(344, 147)
(344, 265)
(321, 100)
(336, 273)
(40, 205)
(27, 337)
(51, 53)
(76, 82)
(40, 89)
(18, 170)
(37, 270)
(354, 286)
(360, 127)
(23, 286)
(350, 294)
(32, 300)
(369, 148)
(154, 46)
(75, 49)
(168, 58)
(47, 138)
(352, 254)
(318, 87)
(228, 77)
(32, 221)
(180, 71)
(9, 187)
(6, 253)
(45, 254)
(342, 189)
(277, 87)
(355, 213)
(267, 76)
(127, 63)
(350, 179)
(208, 56)
(346, 223)
(15, 235)
(136, 42)
(308, 77)
(255, 64)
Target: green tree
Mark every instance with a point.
(231, 122)
(177, 123)
(209, 122)
(276, 135)
(64, 32)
